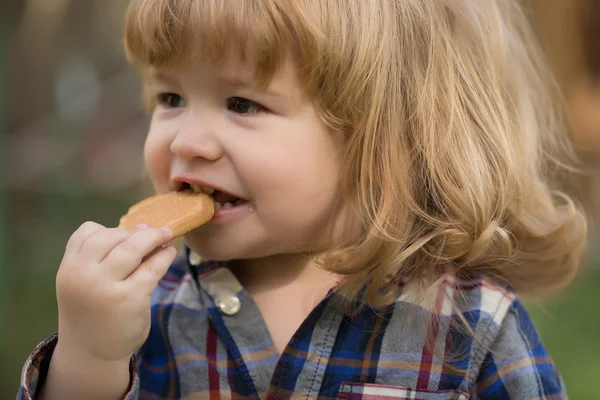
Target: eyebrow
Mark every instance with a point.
(236, 83)
(158, 76)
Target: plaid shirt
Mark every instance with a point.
(209, 341)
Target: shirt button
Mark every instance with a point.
(195, 259)
(229, 305)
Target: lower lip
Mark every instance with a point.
(225, 214)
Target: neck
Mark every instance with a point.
(283, 271)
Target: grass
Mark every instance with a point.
(570, 329)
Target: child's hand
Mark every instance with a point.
(104, 288)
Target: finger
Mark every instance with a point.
(146, 277)
(139, 227)
(130, 253)
(100, 244)
(82, 233)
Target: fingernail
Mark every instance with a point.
(143, 226)
(167, 230)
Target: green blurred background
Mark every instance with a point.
(71, 131)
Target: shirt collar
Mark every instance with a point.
(197, 266)
(200, 268)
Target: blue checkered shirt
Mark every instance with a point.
(208, 340)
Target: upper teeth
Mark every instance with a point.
(199, 188)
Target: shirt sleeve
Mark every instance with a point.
(517, 366)
(36, 368)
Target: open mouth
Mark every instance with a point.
(222, 199)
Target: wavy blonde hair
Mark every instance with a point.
(452, 122)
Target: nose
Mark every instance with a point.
(196, 138)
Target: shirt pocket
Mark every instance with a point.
(370, 391)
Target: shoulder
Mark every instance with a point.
(479, 326)
(478, 300)
(463, 315)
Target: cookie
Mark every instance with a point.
(181, 211)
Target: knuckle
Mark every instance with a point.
(68, 260)
(88, 227)
(153, 270)
(117, 234)
(89, 224)
(68, 265)
(148, 272)
(156, 266)
(122, 296)
(128, 247)
(119, 231)
(70, 285)
(83, 228)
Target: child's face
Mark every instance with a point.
(268, 147)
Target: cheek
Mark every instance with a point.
(310, 206)
(310, 179)
(157, 157)
(318, 169)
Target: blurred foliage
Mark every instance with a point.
(71, 131)
(570, 329)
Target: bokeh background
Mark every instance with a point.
(72, 129)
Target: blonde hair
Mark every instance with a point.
(452, 122)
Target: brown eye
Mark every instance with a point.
(170, 100)
(239, 105)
